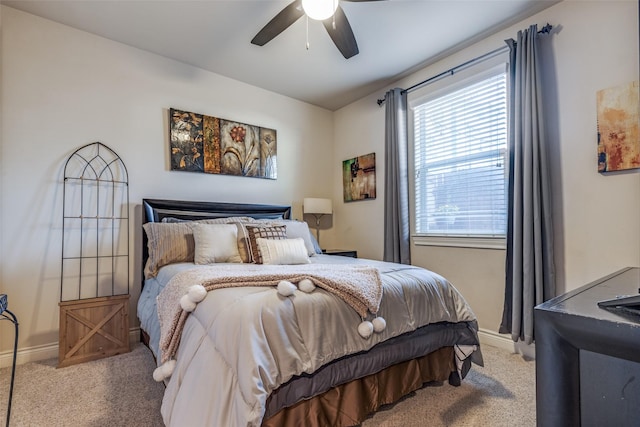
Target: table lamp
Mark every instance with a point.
(318, 208)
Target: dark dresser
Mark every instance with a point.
(587, 357)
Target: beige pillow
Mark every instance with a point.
(282, 251)
(243, 237)
(264, 232)
(243, 240)
(171, 242)
(295, 229)
(168, 243)
(215, 243)
(300, 229)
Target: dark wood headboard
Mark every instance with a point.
(155, 209)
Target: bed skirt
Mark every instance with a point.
(351, 403)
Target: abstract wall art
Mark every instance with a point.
(618, 123)
(359, 178)
(206, 144)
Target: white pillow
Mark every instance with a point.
(283, 251)
(215, 243)
(298, 229)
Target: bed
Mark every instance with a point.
(246, 344)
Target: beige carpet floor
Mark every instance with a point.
(119, 391)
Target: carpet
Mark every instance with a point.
(119, 391)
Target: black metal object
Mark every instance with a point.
(576, 339)
(341, 252)
(155, 210)
(450, 72)
(98, 175)
(8, 315)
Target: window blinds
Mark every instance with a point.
(460, 147)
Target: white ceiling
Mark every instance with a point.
(394, 38)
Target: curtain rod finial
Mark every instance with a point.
(546, 29)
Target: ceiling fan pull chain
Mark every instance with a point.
(334, 15)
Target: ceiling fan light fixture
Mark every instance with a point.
(319, 9)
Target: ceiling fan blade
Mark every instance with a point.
(342, 34)
(279, 23)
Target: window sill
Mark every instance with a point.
(461, 242)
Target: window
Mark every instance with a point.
(460, 146)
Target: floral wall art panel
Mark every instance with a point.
(239, 145)
(359, 178)
(268, 165)
(206, 144)
(618, 133)
(187, 152)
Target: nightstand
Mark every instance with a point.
(341, 252)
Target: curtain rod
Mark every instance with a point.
(547, 28)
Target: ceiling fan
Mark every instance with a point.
(328, 11)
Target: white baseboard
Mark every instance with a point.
(29, 354)
(505, 342)
(46, 351)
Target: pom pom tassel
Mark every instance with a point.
(194, 295)
(186, 303)
(306, 285)
(365, 329)
(157, 374)
(379, 324)
(286, 288)
(197, 293)
(164, 371)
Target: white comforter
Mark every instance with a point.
(242, 343)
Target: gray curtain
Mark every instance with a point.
(396, 184)
(530, 272)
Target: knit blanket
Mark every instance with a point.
(358, 286)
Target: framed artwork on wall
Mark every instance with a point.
(618, 130)
(205, 144)
(359, 178)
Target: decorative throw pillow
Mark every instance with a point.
(243, 238)
(168, 243)
(283, 251)
(299, 229)
(215, 243)
(264, 232)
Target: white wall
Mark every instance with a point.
(595, 46)
(63, 88)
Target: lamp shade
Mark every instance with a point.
(317, 206)
(319, 9)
